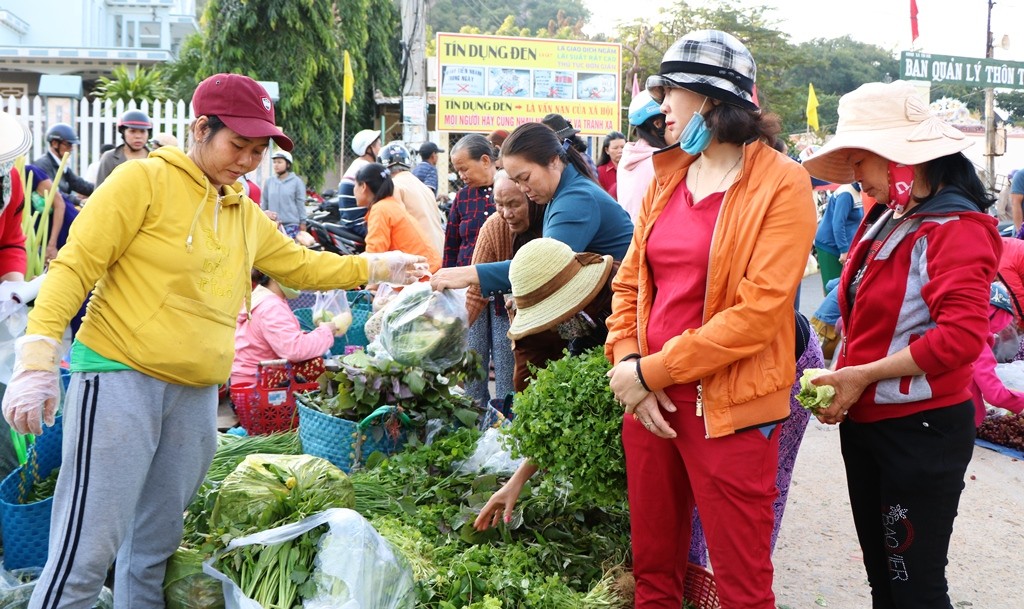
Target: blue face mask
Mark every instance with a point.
(696, 136)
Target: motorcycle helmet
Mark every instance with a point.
(642, 108)
(394, 154)
(134, 119)
(999, 297)
(62, 132)
(282, 154)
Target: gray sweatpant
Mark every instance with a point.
(135, 451)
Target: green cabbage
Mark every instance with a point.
(812, 397)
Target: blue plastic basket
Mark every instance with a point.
(347, 443)
(26, 527)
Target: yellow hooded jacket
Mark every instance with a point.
(170, 259)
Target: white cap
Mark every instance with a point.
(363, 139)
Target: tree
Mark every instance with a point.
(1012, 102)
(300, 44)
(142, 84)
(490, 15)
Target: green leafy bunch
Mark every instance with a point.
(568, 423)
(366, 383)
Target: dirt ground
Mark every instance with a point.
(818, 561)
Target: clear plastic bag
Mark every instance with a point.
(333, 307)
(385, 294)
(490, 456)
(355, 567)
(426, 329)
(13, 321)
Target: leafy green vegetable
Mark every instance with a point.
(569, 423)
(43, 488)
(425, 329)
(812, 397)
(268, 490)
(187, 587)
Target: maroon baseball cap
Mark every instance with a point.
(242, 103)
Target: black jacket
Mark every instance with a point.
(70, 181)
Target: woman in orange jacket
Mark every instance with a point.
(388, 224)
(702, 333)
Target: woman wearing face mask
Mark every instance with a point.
(635, 167)
(577, 211)
(914, 296)
(168, 242)
(701, 334)
(269, 330)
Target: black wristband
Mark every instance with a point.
(629, 357)
(640, 376)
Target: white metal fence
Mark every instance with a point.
(95, 121)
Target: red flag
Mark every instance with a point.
(636, 86)
(913, 21)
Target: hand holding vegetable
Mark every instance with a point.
(339, 323)
(395, 267)
(33, 393)
(848, 384)
(499, 507)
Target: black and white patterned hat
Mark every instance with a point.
(708, 62)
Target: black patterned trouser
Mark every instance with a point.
(905, 478)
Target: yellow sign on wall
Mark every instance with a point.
(497, 82)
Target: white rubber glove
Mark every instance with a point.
(33, 394)
(395, 267)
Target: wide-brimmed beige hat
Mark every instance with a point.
(889, 119)
(551, 283)
(15, 138)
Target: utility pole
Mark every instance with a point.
(990, 114)
(414, 76)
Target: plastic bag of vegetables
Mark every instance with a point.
(332, 306)
(426, 329)
(354, 566)
(265, 490)
(187, 587)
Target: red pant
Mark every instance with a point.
(732, 480)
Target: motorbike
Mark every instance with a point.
(344, 237)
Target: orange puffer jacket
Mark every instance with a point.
(742, 355)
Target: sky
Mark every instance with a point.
(947, 27)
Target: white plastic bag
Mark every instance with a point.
(490, 456)
(1012, 375)
(355, 567)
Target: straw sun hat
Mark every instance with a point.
(889, 120)
(15, 138)
(551, 283)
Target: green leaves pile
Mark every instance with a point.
(365, 383)
(559, 551)
(813, 397)
(568, 423)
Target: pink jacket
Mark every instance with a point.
(986, 386)
(634, 175)
(272, 332)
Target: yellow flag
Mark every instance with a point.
(812, 108)
(350, 80)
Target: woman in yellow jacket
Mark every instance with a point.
(702, 328)
(389, 225)
(168, 242)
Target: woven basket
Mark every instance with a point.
(699, 588)
(26, 526)
(348, 443)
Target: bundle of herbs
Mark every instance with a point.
(569, 424)
(43, 488)
(544, 559)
